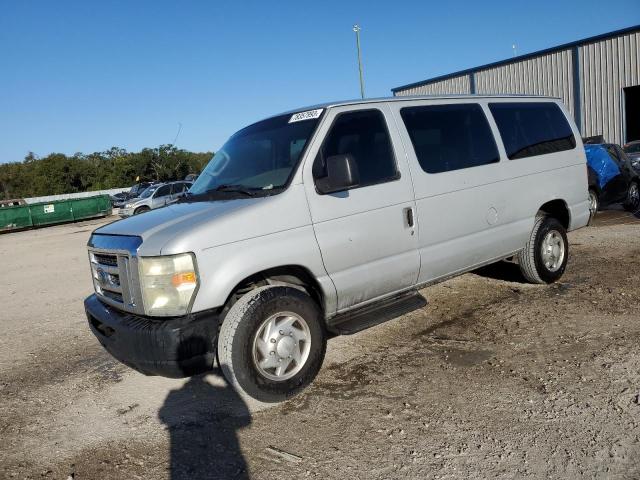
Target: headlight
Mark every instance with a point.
(168, 284)
(129, 205)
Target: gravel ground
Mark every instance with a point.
(494, 378)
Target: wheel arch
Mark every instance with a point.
(559, 210)
(295, 276)
(142, 208)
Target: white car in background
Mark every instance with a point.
(155, 196)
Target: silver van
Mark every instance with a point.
(156, 196)
(328, 219)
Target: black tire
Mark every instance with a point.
(530, 258)
(594, 205)
(140, 210)
(632, 202)
(240, 327)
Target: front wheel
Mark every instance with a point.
(594, 204)
(272, 343)
(544, 258)
(140, 210)
(632, 202)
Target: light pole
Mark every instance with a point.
(356, 28)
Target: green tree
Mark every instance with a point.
(58, 173)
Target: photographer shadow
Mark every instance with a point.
(505, 271)
(203, 420)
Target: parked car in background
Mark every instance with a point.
(613, 177)
(119, 199)
(155, 196)
(14, 202)
(328, 220)
(632, 149)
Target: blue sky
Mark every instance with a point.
(82, 76)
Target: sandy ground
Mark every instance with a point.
(494, 378)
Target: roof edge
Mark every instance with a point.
(526, 56)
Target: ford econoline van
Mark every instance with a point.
(326, 220)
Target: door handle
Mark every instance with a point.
(409, 216)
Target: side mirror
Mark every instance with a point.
(342, 174)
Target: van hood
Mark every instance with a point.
(191, 227)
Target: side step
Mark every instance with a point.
(371, 315)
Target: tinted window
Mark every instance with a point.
(529, 129)
(162, 191)
(364, 136)
(450, 137)
(178, 187)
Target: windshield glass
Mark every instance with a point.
(148, 191)
(260, 157)
(633, 148)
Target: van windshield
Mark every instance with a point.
(258, 160)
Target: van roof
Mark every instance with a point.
(405, 98)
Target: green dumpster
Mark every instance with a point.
(49, 213)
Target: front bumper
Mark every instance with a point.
(125, 212)
(173, 347)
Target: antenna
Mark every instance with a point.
(356, 29)
(177, 134)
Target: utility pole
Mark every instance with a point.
(356, 28)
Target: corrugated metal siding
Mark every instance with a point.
(606, 67)
(455, 85)
(550, 74)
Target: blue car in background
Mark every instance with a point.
(613, 178)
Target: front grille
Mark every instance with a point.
(103, 259)
(114, 270)
(112, 279)
(113, 295)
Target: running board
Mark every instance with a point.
(371, 315)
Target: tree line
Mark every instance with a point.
(59, 173)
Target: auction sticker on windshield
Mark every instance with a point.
(308, 115)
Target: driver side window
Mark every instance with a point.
(363, 135)
(163, 191)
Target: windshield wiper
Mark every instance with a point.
(217, 193)
(250, 192)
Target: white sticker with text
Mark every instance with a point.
(49, 208)
(308, 115)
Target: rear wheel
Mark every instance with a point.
(632, 203)
(594, 204)
(544, 258)
(272, 343)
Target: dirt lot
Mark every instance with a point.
(493, 378)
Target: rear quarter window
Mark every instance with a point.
(532, 128)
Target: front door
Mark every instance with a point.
(161, 196)
(366, 234)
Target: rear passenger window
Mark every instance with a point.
(450, 137)
(363, 135)
(530, 129)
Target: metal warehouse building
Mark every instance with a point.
(598, 79)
